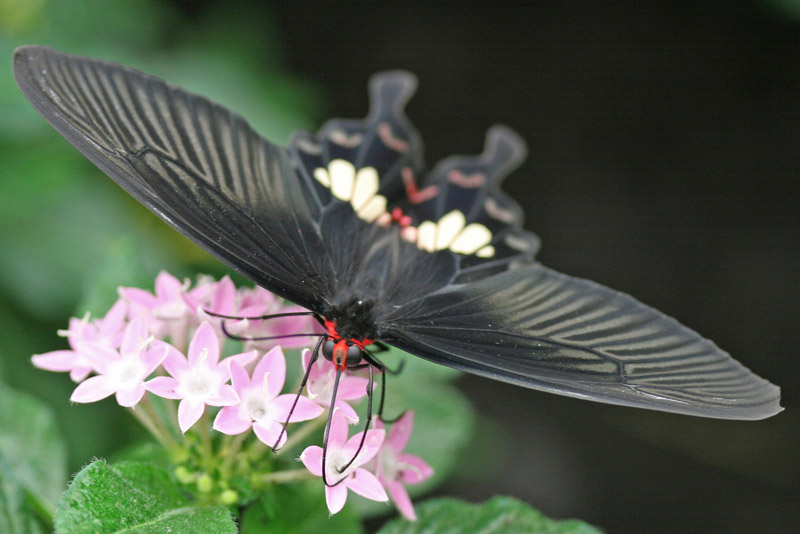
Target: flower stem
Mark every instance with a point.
(282, 477)
(230, 449)
(148, 423)
(168, 439)
(205, 434)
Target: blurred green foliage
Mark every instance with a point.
(68, 235)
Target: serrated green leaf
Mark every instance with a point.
(297, 508)
(134, 497)
(499, 515)
(31, 446)
(16, 513)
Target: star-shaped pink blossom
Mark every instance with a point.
(260, 404)
(320, 386)
(200, 380)
(340, 451)
(166, 311)
(121, 372)
(106, 331)
(396, 469)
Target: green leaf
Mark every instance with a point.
(16, 513)
(499, 515)
(134, 497)
(297, 508)
(31, 447)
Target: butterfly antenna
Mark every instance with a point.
(314, 356)
(235, 337)
(259, 317)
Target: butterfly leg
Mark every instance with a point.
(314, 356)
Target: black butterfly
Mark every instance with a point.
(349, 224)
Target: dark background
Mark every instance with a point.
(664, 161)
(664, 155)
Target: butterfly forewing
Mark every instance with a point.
(194, 163)
(535, 327)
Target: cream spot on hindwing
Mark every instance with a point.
(360, 188)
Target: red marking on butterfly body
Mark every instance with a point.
(342, 344)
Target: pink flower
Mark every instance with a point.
(320, 386)
(223, 301)
(340, 451)
(394, 469)
(166, 311)
(290, 325)
(106, 331)
(200, 380)
(121, 372)
(260, 404)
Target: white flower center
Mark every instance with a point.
(336, 461)
(126, 372)
(390, 467)
(199, 382)
(256, 405)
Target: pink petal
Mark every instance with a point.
(348, 411)
(115, 317)
(93, 389)
(163, 386)
(337, 435)
(189, 412)
(135, 334)
(268, 432)
(78, 374)
(367, 485)
(273, 363)
(139, 296)
(130, 397)
(205, 339)
(239, 377)
(401, 431)
(58, 360)
(243, 358)
(352, 388)
(229, 421)
(99, 355)
(304, 410)
(225, 396)
(417, 470)
(335, 497)
(175, 362)
(224, 297)
(153, 358)
(312, 459)
(372, 444)
(402, 500)
(167, 286)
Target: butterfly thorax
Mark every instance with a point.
(352, 319)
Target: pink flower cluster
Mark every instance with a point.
(139, 346)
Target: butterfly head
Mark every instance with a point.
(351, 327)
